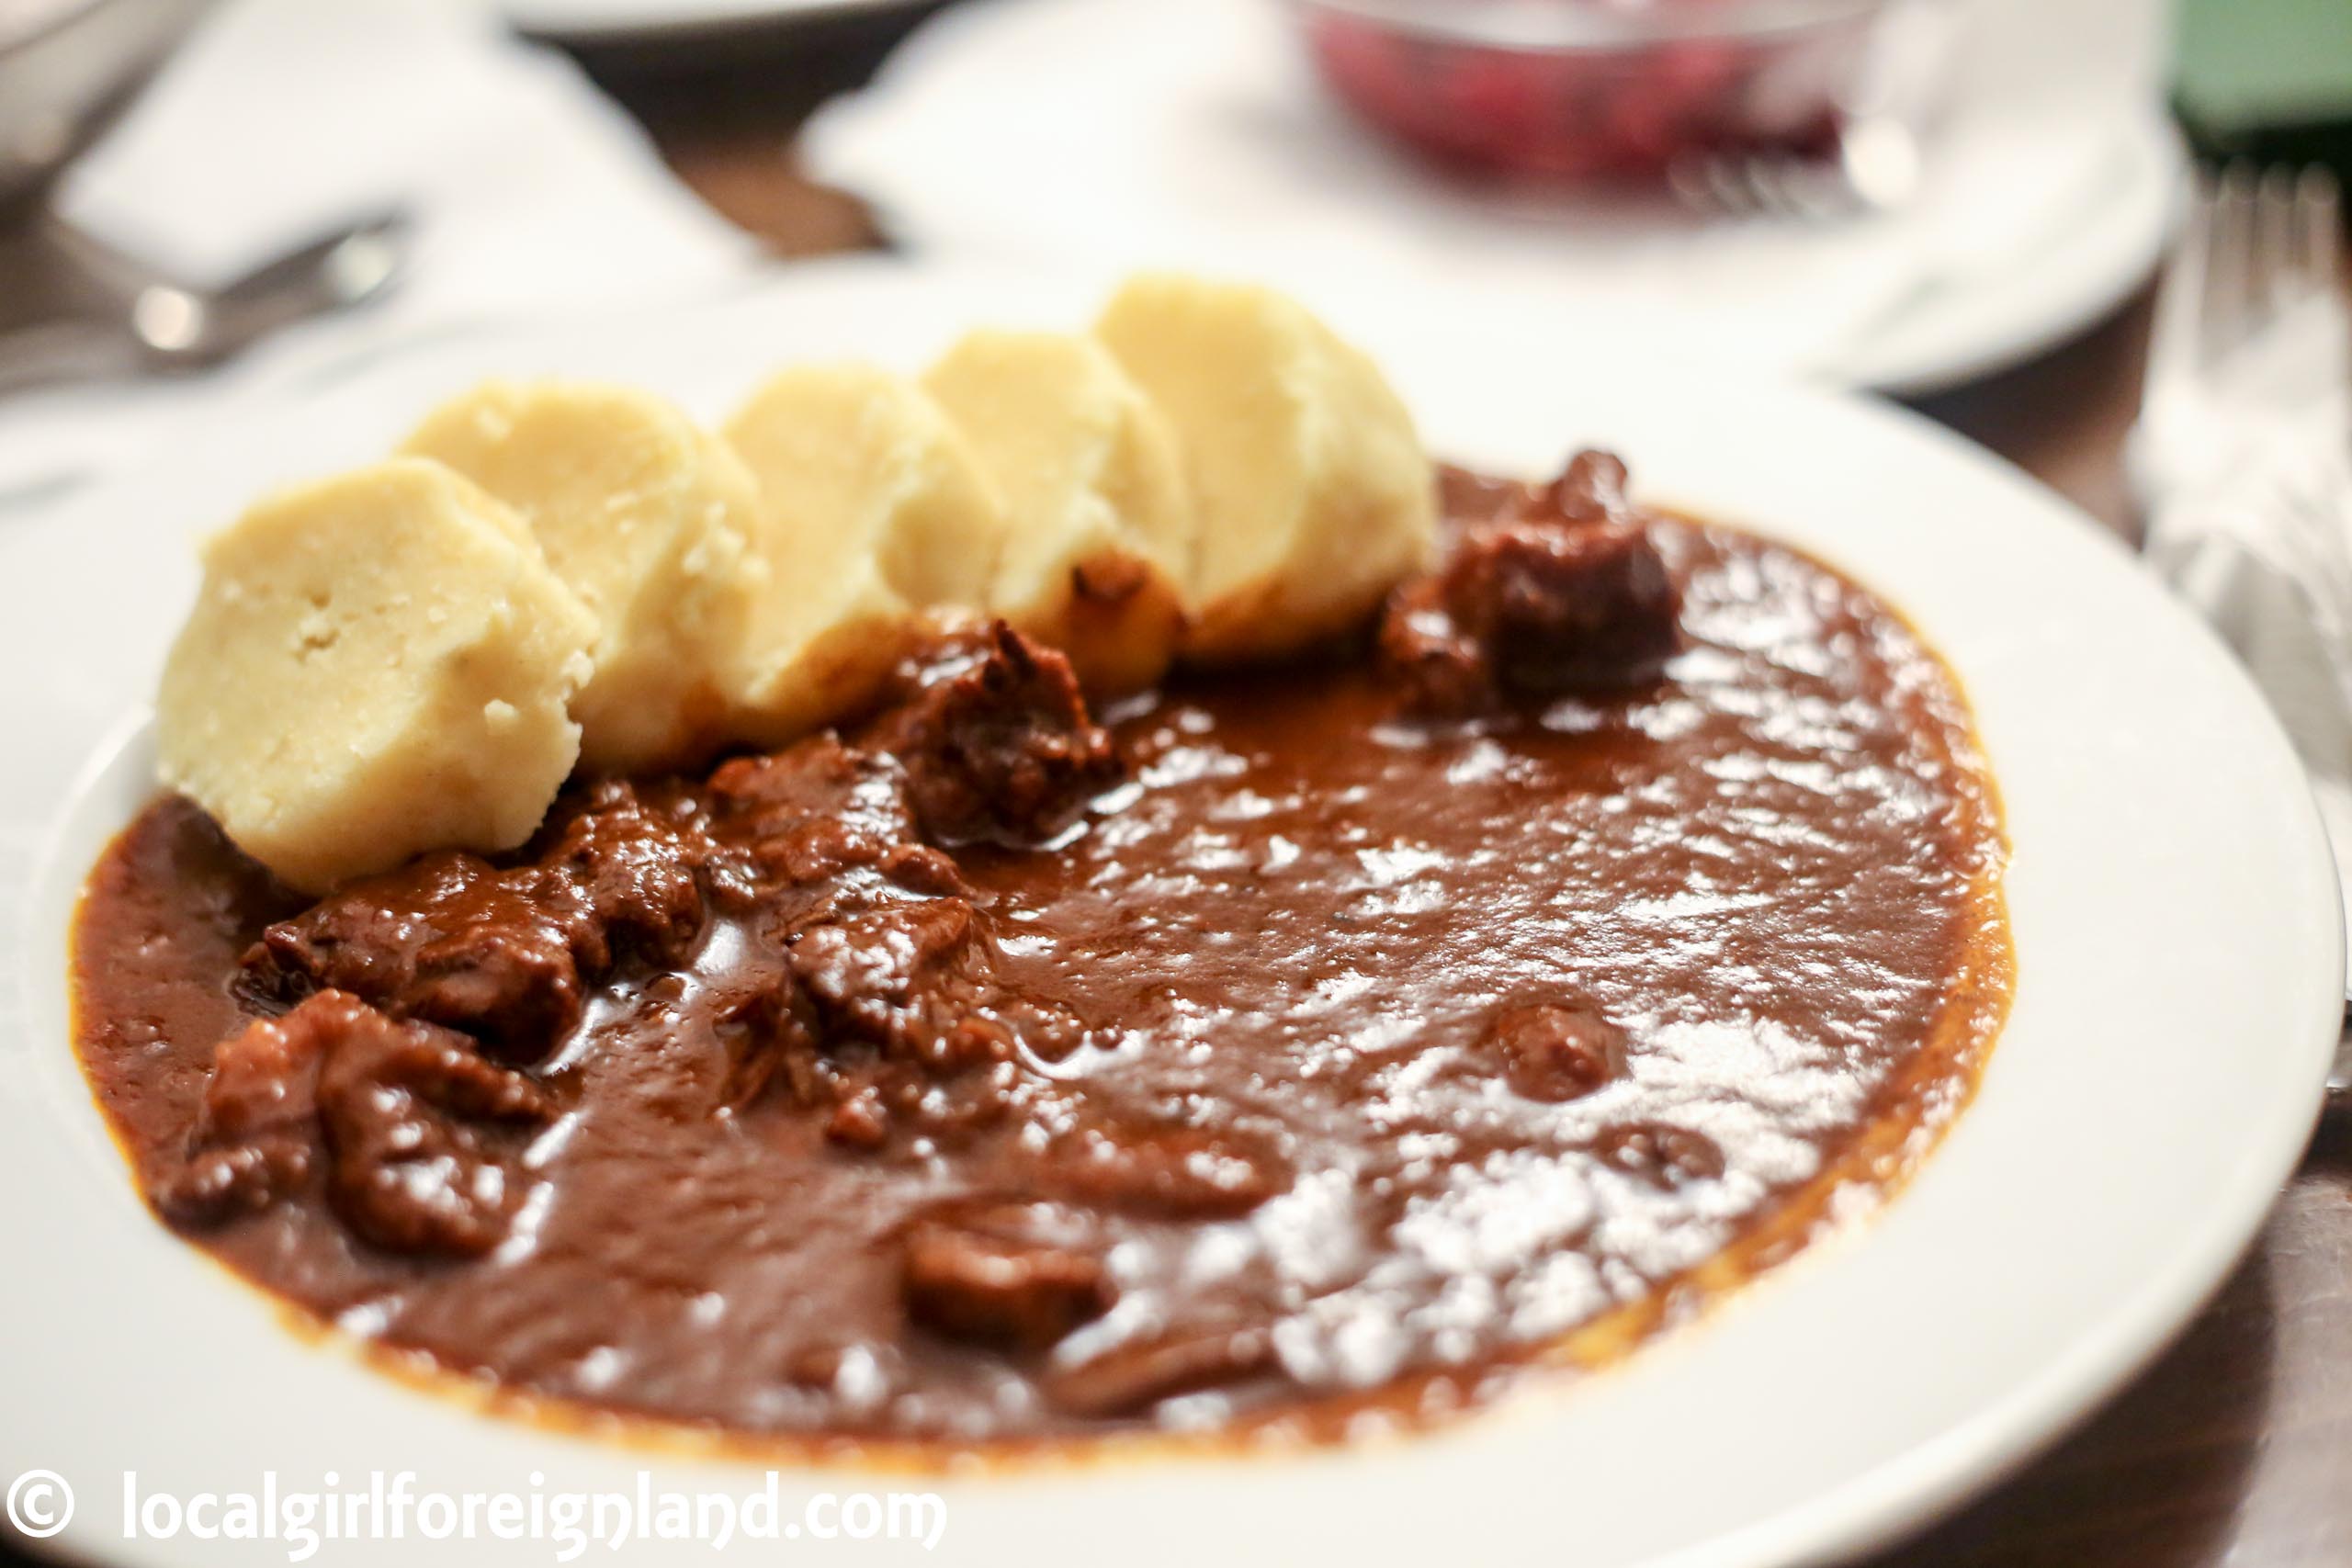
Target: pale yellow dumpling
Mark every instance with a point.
(1312, 494)
(872, 509)
(1100, 529)
(378, 664)
(647, 517)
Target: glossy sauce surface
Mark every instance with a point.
(1337, 1059)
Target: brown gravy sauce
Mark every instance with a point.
(1333, 1061)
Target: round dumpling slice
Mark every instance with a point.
(872, 511)
(1099, 529)
(644, 515)
(1312, 494)
(377, 665)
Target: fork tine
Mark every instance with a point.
(2229, 262)
(2175, 341)
(1686, 178)
(1774, 193)
(2319, 226)
(1786, 187)
(2276, 280)
(1711, 182)
(1754, 185)
(1748, 186)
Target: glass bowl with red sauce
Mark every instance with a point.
(1575, 90)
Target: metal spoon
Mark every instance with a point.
(129, 320)
(183, 328)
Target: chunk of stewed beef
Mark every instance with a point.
(365, 939)
(1560, 589)
(1181, 1173)
(449, 939)
(1564, 608)
(508, 969)
(996, 739)
(1017, 1277)
(818, 849)
(898, 975)
(765, 1025)
(255, 1136)
(1439, 668)
(414, 1119)
(1590, 489)
(633, 854)
(1131, 1377)
(1659, 1153)
(504, 954)
(401, 1118)
(912, 981)
(1555, 1051)
(813, 813)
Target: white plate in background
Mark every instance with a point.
(2179, 969)
(1110, 133)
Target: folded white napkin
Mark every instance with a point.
(526, 189)
(1192, 132)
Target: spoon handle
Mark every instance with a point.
(65, 352)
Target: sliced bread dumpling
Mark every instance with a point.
(1099, 531)
(647, 517)
(1312, 494)
(378, 664)
(872, 509)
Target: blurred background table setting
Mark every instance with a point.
(1965, 204)
(348, 174)
(1665, 174)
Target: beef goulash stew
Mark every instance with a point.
(1267, 1053)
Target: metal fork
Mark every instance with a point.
(1875, 168)
(2251, 329)
(2251, 323)
(1875, 165)
(2252, 332)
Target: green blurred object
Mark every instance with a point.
(2267, 80)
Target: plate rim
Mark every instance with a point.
(2091, 272)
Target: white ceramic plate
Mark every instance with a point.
(643, 21)
(1990, 319)
(2179, 969)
